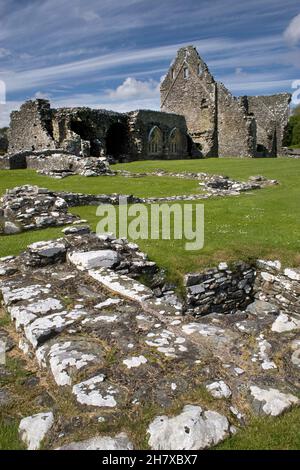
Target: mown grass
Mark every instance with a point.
(262, 223)
(281, 433)
(9, 436)
(141, 187)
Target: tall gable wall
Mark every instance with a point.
(194, 97)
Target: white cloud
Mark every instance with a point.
(4, 52)
(133, 88)
(292, 32)
(6, 109)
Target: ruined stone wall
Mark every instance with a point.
(31, 127)
(85, 131)
(278, 286)
(223, 289)
(190, 90)
(272, 115)
(157, 135)
(236, 129)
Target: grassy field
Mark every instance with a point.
(263, 223)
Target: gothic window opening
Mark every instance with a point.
(186, 72)
(155, 141)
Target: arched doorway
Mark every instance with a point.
(117, 141)
(155, 141)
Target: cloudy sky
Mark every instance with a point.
(113, 53)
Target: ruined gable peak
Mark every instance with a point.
(188, 62)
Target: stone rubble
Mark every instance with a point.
(107, 343)
(211, 185)
(31, 207)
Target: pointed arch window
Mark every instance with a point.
(155, 141)
(186, 72)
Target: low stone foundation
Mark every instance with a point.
(55, 163)
(229, 290)
(222, 290)
(278, 286)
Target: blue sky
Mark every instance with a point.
(113, 53)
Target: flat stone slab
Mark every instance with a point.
(193, 429)
(122, 285)
(119, 442)
(34, 429)
(271, 401)
(67, 358)
(43, 328)
(97, 392)
(285, 323)
(93, 259)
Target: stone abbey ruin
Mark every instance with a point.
(199, 118)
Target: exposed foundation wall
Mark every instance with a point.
(228, 289)
(223, 289)
(278, 286)
(272, 115)
(236, 129)
(156, 135)
(190, 90)
(31, 127)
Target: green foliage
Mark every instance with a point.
(3, 131)
(280, 433)
(292, 132)
(9, 436)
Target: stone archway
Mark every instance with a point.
(117, 141)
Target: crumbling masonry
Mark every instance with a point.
(199, 117)
(219, 123)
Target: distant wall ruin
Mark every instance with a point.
(97, 133)
(221, 124)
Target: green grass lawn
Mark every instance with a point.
(141, 187)
(282, 433)
(262, 223)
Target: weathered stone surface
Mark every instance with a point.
(271, 401)
(219, 389)
(284, 323)
(98, 392)
(94, 259)
(122, 285)
(119, 442)
(41, 329)
(34, 429)
(193, 429)
(219, 123)
(66, 359)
